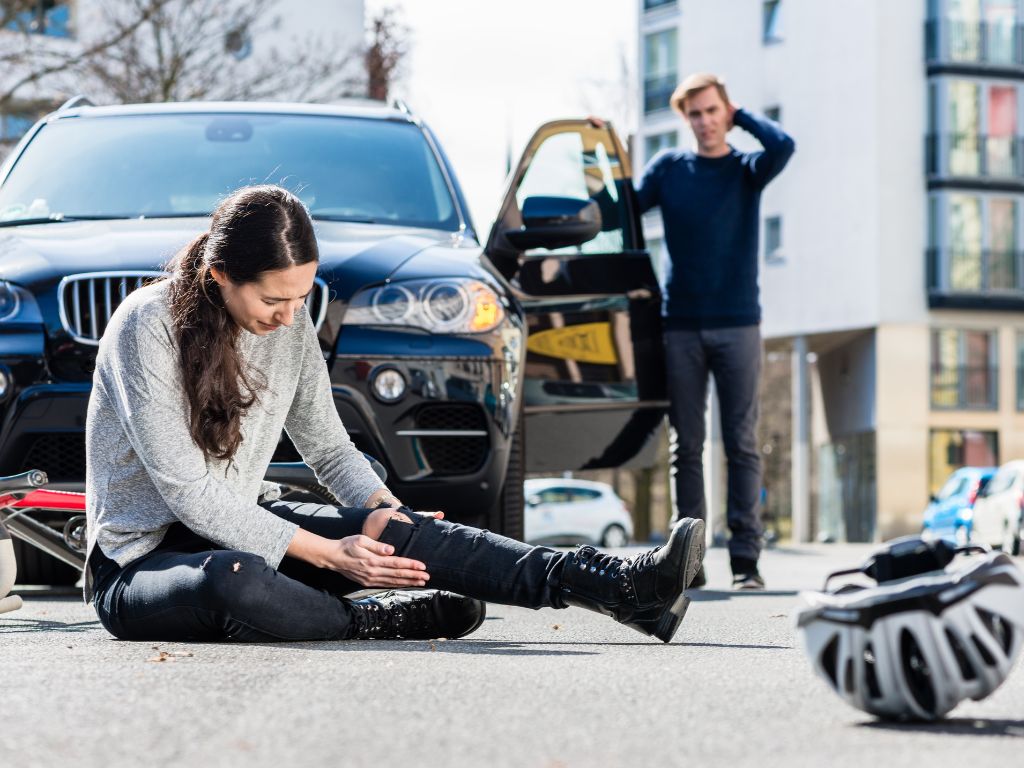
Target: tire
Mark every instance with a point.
(37, 567)
(614, 536)
(506, 517)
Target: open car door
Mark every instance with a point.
(568, 237)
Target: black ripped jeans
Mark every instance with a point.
(190, 589)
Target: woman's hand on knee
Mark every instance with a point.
(372, 564)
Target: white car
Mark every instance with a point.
(560, 511)
(997, 511)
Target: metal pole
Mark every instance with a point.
(801, 502)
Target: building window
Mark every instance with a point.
(951, 449)
(964, 369)
(659, 141)
(973, 244)
(773, 113)
(773, 239)
(974, 31)
(977, 132)
(772, 16)
(15, 124)
(43, 17)
(650, 5)
(1020, 370)
(661, 63)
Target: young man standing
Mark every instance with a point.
(709, 202)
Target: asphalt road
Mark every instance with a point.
(545, 688)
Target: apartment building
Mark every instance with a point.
(891, 258)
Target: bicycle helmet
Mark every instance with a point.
(923, 639)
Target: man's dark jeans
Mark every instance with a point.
(733, 356)
(190, 589)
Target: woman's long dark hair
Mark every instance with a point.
(255, 230)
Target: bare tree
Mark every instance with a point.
(385, 53)
(181, 50)
(28, 59)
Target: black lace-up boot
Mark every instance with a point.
(416, 615)
(644, 592)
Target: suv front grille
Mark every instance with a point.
(88, 300)
(455, 454)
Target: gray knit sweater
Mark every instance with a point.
(143, 469)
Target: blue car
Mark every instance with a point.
(950, 515)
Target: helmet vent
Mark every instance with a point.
(830, 660)
(848, 676)
(870, 672)
(986, 654)
(960, 653)
(1000, 629)
(917, 672)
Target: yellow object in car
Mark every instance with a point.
(584, 343)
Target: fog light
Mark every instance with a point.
(6, 383)
(389, 385)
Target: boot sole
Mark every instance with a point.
(693, 544)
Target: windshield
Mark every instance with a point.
(344, 168)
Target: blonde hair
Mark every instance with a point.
(693, 85)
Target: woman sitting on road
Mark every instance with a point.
(195, 378)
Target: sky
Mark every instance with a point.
(485, 74)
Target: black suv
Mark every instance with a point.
(447, 358)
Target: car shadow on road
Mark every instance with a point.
(956, 726)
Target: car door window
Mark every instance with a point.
(581, 165)
(1002, 481)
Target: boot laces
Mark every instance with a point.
(387, 616)
(603, 564)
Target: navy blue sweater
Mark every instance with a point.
(710, 208)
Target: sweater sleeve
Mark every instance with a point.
(648, 191)
(778, 146)
(314, 426)
(141, 377)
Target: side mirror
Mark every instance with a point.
(556, 222)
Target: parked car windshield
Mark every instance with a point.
(344, 168)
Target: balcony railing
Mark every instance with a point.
(971, 155)
(657, 91)
(976, 271)
(964, 387)
(984, 43)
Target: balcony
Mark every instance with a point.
(963, 387)
(975, 278)
(657, 91)
(970, 159)
(973, 46)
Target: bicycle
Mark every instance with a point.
(24, 497)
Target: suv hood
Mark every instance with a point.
(38, 256)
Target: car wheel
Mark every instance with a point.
(506, 517)
(37, 567)
(614, 536)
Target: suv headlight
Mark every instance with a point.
(451, 305)
(17, 305)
